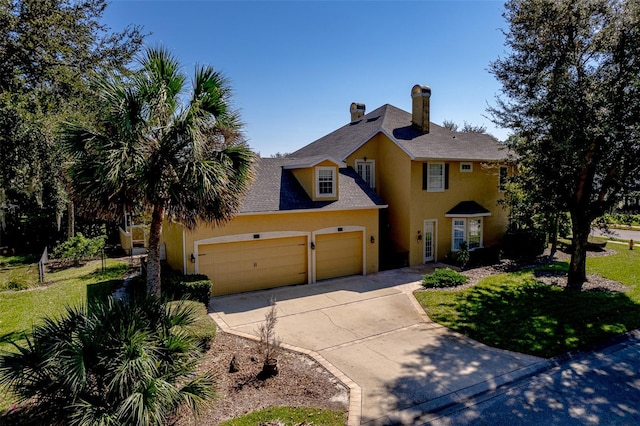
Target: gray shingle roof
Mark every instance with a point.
(439, 144)
(277, 189)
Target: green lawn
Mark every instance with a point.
(291, 416)
(515, 311)
(18, 272)
(69, 287)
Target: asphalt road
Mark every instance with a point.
(595, 388)
(618, 233)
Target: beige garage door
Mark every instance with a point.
(338, 255)
(254, 265)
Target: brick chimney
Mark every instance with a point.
(357, 110)
(420, 107)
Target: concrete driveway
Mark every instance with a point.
(371, 333)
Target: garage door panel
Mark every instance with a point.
(338, 255)
(256, 264)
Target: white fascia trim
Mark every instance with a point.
(345, 209)
(462, 160)
(249, 237)
(468, 215)
(368, 138)
(339, 163)
(411, 156)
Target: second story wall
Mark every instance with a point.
(392, 183)
(463, 181)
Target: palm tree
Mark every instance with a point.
(115, 362)
(153, 152)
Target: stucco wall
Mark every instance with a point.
(480, 185)
(393, 184)
(172, 238)
(303, 222)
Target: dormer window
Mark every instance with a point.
(325, 181)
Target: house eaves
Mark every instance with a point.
(311, 162)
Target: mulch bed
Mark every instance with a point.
(301, 382)
(557, 278)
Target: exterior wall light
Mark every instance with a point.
(192, 258)
(372, 239)
(313, 245)
(419, 236)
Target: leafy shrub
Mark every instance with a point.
(619, 219)
(443, 278)
(485, 256)
(524, 244)
(192, 287)
(79, 248)
(195, 290)
(462, 255)
(115, 362)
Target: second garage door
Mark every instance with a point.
(338, 255)
(253, 265)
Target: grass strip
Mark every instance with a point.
(290, 416)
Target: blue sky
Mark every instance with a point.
(296, 66)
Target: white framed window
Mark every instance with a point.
(367, 171)
(474, 233)
(502, 178)
(468, 230)
(459, 233)
(435, 177)
(325, 182)
(466, 167)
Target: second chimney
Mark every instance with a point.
(357, 110)
(420, 107)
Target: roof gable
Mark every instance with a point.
(439, 144)
(275, 189)
(307, 162)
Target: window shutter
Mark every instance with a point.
(446, 176)
(425, 175)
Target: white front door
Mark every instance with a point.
(429, 240)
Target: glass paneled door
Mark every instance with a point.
(429, 240)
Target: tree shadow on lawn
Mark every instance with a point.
(534, 318)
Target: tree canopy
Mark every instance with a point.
(466, 127)
(152, 151)
(571, 94)
(48, 50)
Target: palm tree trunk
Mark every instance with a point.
(153, 261)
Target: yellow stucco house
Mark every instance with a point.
(387, 185)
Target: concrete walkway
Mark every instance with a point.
(372, 334)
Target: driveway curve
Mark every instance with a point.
(373, 335)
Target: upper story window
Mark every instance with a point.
(502, 179)
(366, 170)
(466, 167)
(325, 181)
(434, 177)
